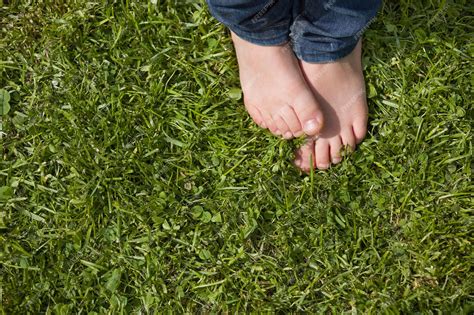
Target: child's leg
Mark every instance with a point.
(276, 94)
(327, 41)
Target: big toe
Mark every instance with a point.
(304, 157)
(309, 113)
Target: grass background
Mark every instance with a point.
(132, 179)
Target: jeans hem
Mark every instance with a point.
(312, 56)
(261, 41)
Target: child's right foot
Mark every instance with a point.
(276, 94)
(340, 88)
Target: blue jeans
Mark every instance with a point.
(318, 30)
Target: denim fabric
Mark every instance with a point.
(262, 22)
(319, 30)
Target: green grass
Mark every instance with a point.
(133, 181)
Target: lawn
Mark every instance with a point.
(133, 181)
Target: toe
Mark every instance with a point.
(282, 127)
(289, 116)
(335, 145)
(359, 128)
(297, 161)
(348, 138)
(309, 114)
(298, 158)
(256, 116)
(272, 127)
(322, 154)
(305, 156)
(269, 123)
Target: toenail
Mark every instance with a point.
(336, 160)
(312, 127)
(323, 166)
(288, 135)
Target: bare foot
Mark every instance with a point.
(276, 94)
(339, 88)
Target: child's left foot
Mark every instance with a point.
(340, 89)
